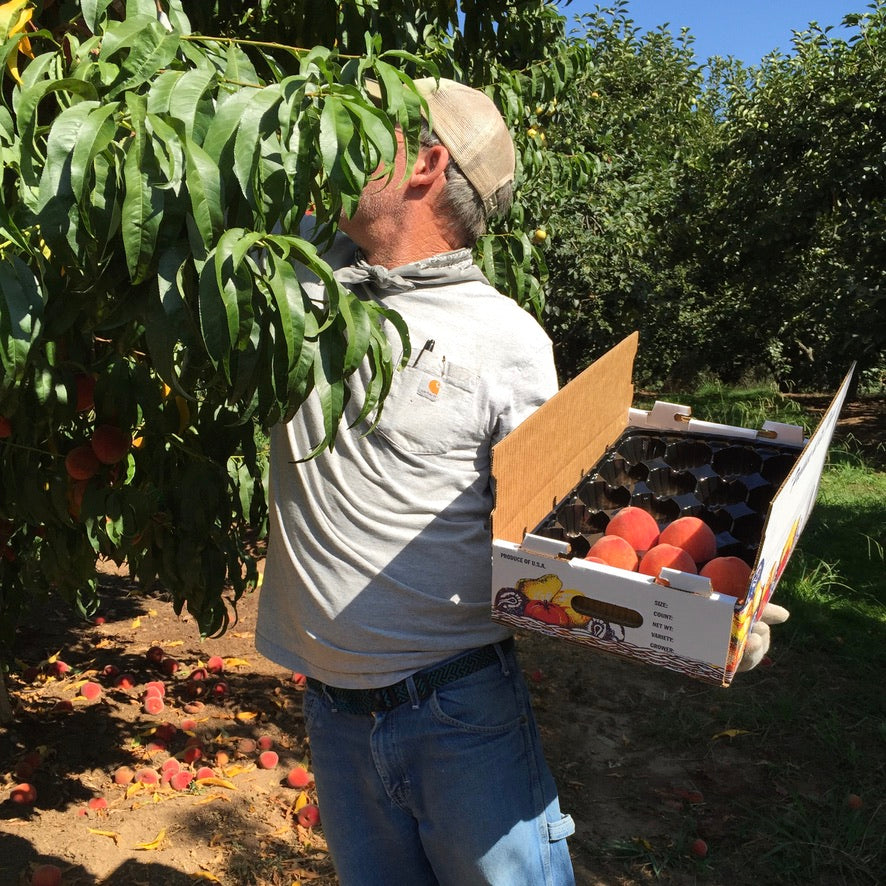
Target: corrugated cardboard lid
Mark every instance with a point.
(542, 459)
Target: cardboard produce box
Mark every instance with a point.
(562, 474)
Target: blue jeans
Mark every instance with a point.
(449, 791)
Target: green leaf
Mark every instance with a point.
(205, 191)
(250, 132)
(21, 319)
(142, 209)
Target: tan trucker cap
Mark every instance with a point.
(470, 125)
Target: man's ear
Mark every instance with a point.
(430, 166)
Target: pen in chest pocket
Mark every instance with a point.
(427, 346)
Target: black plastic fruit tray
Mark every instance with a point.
(726, 482)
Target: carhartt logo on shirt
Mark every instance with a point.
(430, 388)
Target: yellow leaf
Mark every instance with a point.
(155, 843)
(217, 782)
(204, 875)
(730, 733)
(301, 801)
(211, 798)
(247, 715)
(232, 771)
(136, 623)
(112, 834)
(134, 788)
(235, 662)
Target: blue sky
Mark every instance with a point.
(746, 29)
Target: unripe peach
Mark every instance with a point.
(729, 576)
(661, 556)
(693, 535)
(636, 526)
(5, 427)
(616, 551)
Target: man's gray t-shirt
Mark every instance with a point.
(379, 556)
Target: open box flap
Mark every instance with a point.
(542, 459)
(792, 504)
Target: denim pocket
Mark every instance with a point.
(483, 702)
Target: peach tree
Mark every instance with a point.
(152, 327)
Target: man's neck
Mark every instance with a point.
(393, 243)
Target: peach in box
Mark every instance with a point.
(728, 575)
(634, 525)
(666, 556)
(693, 535)
(614, 550)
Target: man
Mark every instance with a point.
(377, 582)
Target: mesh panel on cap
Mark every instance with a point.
(468, 123)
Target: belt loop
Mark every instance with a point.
(328, 696)
(413, 693)
(505, 669)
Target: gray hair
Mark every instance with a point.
(462, 202)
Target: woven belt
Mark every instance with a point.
(385, 698)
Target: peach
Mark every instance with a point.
(5, 427)
(215, 665)
(268, 759)
(24, 794)
(693, 535)
(265, 743)
(729, 576)
(147, 776)
(46, 875)
(171, 765)
(165, 731)
(91, 691)
(81, 463)
(222, 758)
(155, 655)
(152, 704)
(665, 555)
(636, 526)
(181, 780)
(205, 772)
(124, 681)
(155, 687)
(192, 754)
(110, 443)
(169, 666)
(591, 559)
(298, 777)
(246, 746)
(97, 804)
(85, 391)
(615, 551)
(308, 815)
(123, 775)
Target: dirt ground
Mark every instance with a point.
(239, 823)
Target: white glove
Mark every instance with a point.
(758, 640)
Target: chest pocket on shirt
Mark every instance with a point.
(433, 408)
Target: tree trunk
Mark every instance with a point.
(5, 706)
